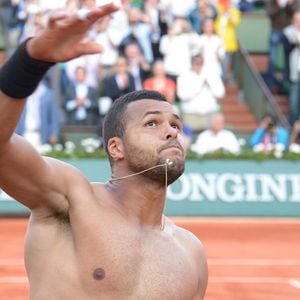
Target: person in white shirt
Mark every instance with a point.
(216, 138)
(177, 8)
(199, 91)
(109, 38)
(177, 47)
(211, 46)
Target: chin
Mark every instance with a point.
(175, 170)
(172, 172)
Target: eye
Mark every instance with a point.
(151, 123)
(176, 126)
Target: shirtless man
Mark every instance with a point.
(90, 240)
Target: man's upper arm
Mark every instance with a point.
(203, 271)
(33, 180)
(199, 257)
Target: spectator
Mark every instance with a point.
(158, 21)
(92, 65)
(161, 83)
(226, 23)
(292, 33)
(138, 32)
(212, 47)
(138, 66)
(294, 145)
(9, 23)
(177, 48)
(269, 137)
(177, 8)
(199, 91)
(119, 83)
(39, 123)
(280, 13)
(216, 138)
(35, 18)
(246, 6)
(6, 11)
(204, 9)
(109, 39)
(81, 100)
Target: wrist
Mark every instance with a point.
(22, 73)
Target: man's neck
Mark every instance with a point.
(142, 202)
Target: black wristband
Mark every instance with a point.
(21, 74)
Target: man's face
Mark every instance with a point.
(80, 74)
(153, 134)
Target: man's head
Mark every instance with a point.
(208, 26)
(217, 123)
(159, 68)
(121, 65)
(142, 130)
(134, 15)
(80, 74)
(132, 51)
(269, 123)
(197, 63)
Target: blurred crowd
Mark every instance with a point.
(183, 49)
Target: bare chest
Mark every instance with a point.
(121, 265)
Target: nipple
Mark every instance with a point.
(99, 274)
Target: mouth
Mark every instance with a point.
(173, 147)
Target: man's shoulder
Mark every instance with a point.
(188, 238)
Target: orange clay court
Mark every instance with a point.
(248, 258)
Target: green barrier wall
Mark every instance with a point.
(215, 188)
(253, 32)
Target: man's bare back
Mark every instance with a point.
(99, 241)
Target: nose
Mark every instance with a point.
(171, 132)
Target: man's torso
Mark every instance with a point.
(96, 253)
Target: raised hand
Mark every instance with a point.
(65, 36)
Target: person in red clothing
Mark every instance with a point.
(160, 82)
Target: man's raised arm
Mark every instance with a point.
(23, 173)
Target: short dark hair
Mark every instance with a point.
(114, 121)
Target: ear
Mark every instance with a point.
(115, 148)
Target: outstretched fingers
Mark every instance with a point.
(56, 17)
(65, 37)
(88, 47)
(95, 14)
(82, 17)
